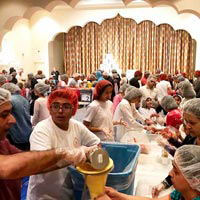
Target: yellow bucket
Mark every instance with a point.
(95, 180)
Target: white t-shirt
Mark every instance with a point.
(147, 92)
(162, 87)
(99, 114)
(41, 111)
(55, 185)
(129, 114)
(146, 112)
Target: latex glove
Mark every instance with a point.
(162, 142)
(166, 133)
(149, 128)
(149, 122)
(157, 189)
(73, 156)
(154, 115)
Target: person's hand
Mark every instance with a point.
(89, 150)
(72, 156)
(124, 123)
(114, 194)
(157, 189)
(166, 133)
(161, 141)
(103, 197)
(150, 128)
(149, 122)
(108, 133)
(154, 115)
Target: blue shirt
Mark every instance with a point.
(175, 195)
(20, 132)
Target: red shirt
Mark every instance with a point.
(144, 81)
(9, 189)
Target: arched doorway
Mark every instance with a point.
(56, 53)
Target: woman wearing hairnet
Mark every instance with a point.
(126, 110)
(41, 111)
(98, 118)
(174, 115)
(191, 120)
(185, 178)
(186, 90)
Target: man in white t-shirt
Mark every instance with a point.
(59, 130)
(150, 90)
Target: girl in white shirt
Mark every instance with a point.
(146, 110)
(98, 118)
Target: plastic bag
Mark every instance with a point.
(137, 137)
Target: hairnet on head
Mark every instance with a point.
(92, 76)
(180, 78)
(186, 89)
(187, 159)
(11, 87)
(67, 94)
(100, 88)
(4, 96)
(2, 79)
(76, 75)
(114, 71)
(63, 77)
(152, 77)
(144, 102)
(9, 77)
(192, 107)
(168, 103)
(132, 93)
(124, 87)
(42, 88)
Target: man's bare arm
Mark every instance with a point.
(28, 163)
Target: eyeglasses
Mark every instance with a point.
(64, 107)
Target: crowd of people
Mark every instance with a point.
(36, 117)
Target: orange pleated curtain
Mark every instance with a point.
(142, 46)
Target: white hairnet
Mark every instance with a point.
(124, 87)
(168, 103)
(42, 88)
(4, 96)
(186, 89)
(132, 93)
(192, 107)
(63, 77)
(2, 79)
(11, 87)
(187, 159)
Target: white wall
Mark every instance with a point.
(32, 37)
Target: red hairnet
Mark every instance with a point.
(197, 73)
(39, 72)
(138, 73)
(66, 94)
(100, 87)
(184, 74)
(163, 77)
(174, 118)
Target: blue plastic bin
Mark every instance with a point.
(125, 157)
(25, 181)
